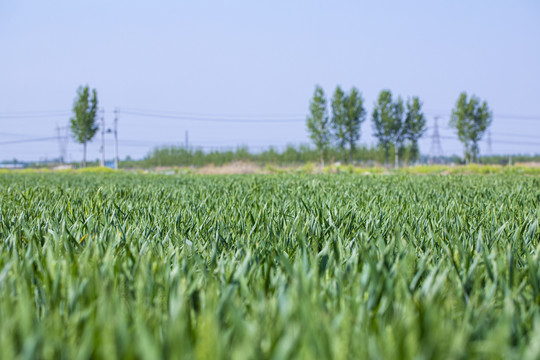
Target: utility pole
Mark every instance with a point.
(102, 161)
(436, 148)
(187, 142)
(115, 139)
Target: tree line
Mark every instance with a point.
(290, 155)
(397, 125)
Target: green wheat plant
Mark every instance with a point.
(286, 266)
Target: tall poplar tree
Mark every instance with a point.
(387, 119)
(355, 115)
(471, 119)
(339, 120)
(398, 130)
(318, 123)
(415, 125)
(83, 122)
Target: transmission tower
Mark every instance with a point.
(62, 137)
(436, 148)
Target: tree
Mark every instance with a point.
(398, 130)
(388, 124)
(415, 125)
(471, 119)
(318, 123)
(83, 123)
(381, 117)
(339, 119)
(355, 115)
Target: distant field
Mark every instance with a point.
(280, 266)
(248, 167)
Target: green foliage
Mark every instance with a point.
(96, 170)
(395, 127)
(286, 266)
(388, 123)
(291, 155)
(471, 119)
(382, 117)
(415, 126)
(83, 123)
(339, 119)
(308, 168)
(318, 123)
(399, 129)
(355, 115)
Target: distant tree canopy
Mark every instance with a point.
(415, 126)
(348, 114)
(83, 122)
(356, 115)
(471, 119)
(318, 123)
(394, 125)
(339, 119)
(387, 117)
(397, 126)
(291, 155)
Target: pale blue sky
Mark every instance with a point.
(262, 58)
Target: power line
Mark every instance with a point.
(499, 141)
(517, 117)
(33, 116)
(33, 112)
(157, 143)
(14, 134)
(28, 140)
(216, 116)
(516, 142)
(524, 136)
(210, 119)
(445, 115)
(516, 135)
(127, 142)
(244, 119)
(62, 112)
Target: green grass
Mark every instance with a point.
(269, 266)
